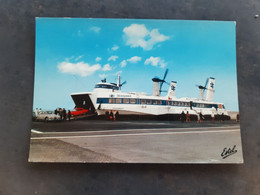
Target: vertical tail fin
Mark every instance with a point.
(211, 89)
(172, 89)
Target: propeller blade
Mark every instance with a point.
(122, 84)
(206, 83)
(163, 80)
(161, 84)
(165, 74)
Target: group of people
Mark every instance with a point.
(186, 117)
(112, 115)
(63, 114)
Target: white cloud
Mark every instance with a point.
(113, 58)
(123, 64)
(134, 59)
(137, 35)
(95, 29)
(107, 67)
(102, 76)
(77, 58)
(155, 61)
(115, 47)
(98, 59)
(79, 68)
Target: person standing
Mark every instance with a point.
(107, 115)
(183, 117)
(117, 115)
(60, 113)
(187, 117)
(64, 114)
(111, 115)
(69, 114)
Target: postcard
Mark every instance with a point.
(135, 91)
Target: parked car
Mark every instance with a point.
(46, 115)
(79, 111)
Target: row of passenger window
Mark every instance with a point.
(146, 101)
(153, 102)
(133, 101)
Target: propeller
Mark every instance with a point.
(156, 79)
(203, 87)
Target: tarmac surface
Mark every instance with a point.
(136, 142)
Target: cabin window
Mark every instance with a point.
(126, 101)
(160, 102)
(132, 101)
(84, 102)
(142, 101)
(118, 101)
(148, 101)
(168, 103)
(112, 101)
(154, 101)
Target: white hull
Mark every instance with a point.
(144, 109)
(104, 100)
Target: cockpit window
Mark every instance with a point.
(106, 86)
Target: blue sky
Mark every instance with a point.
(72, 54)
